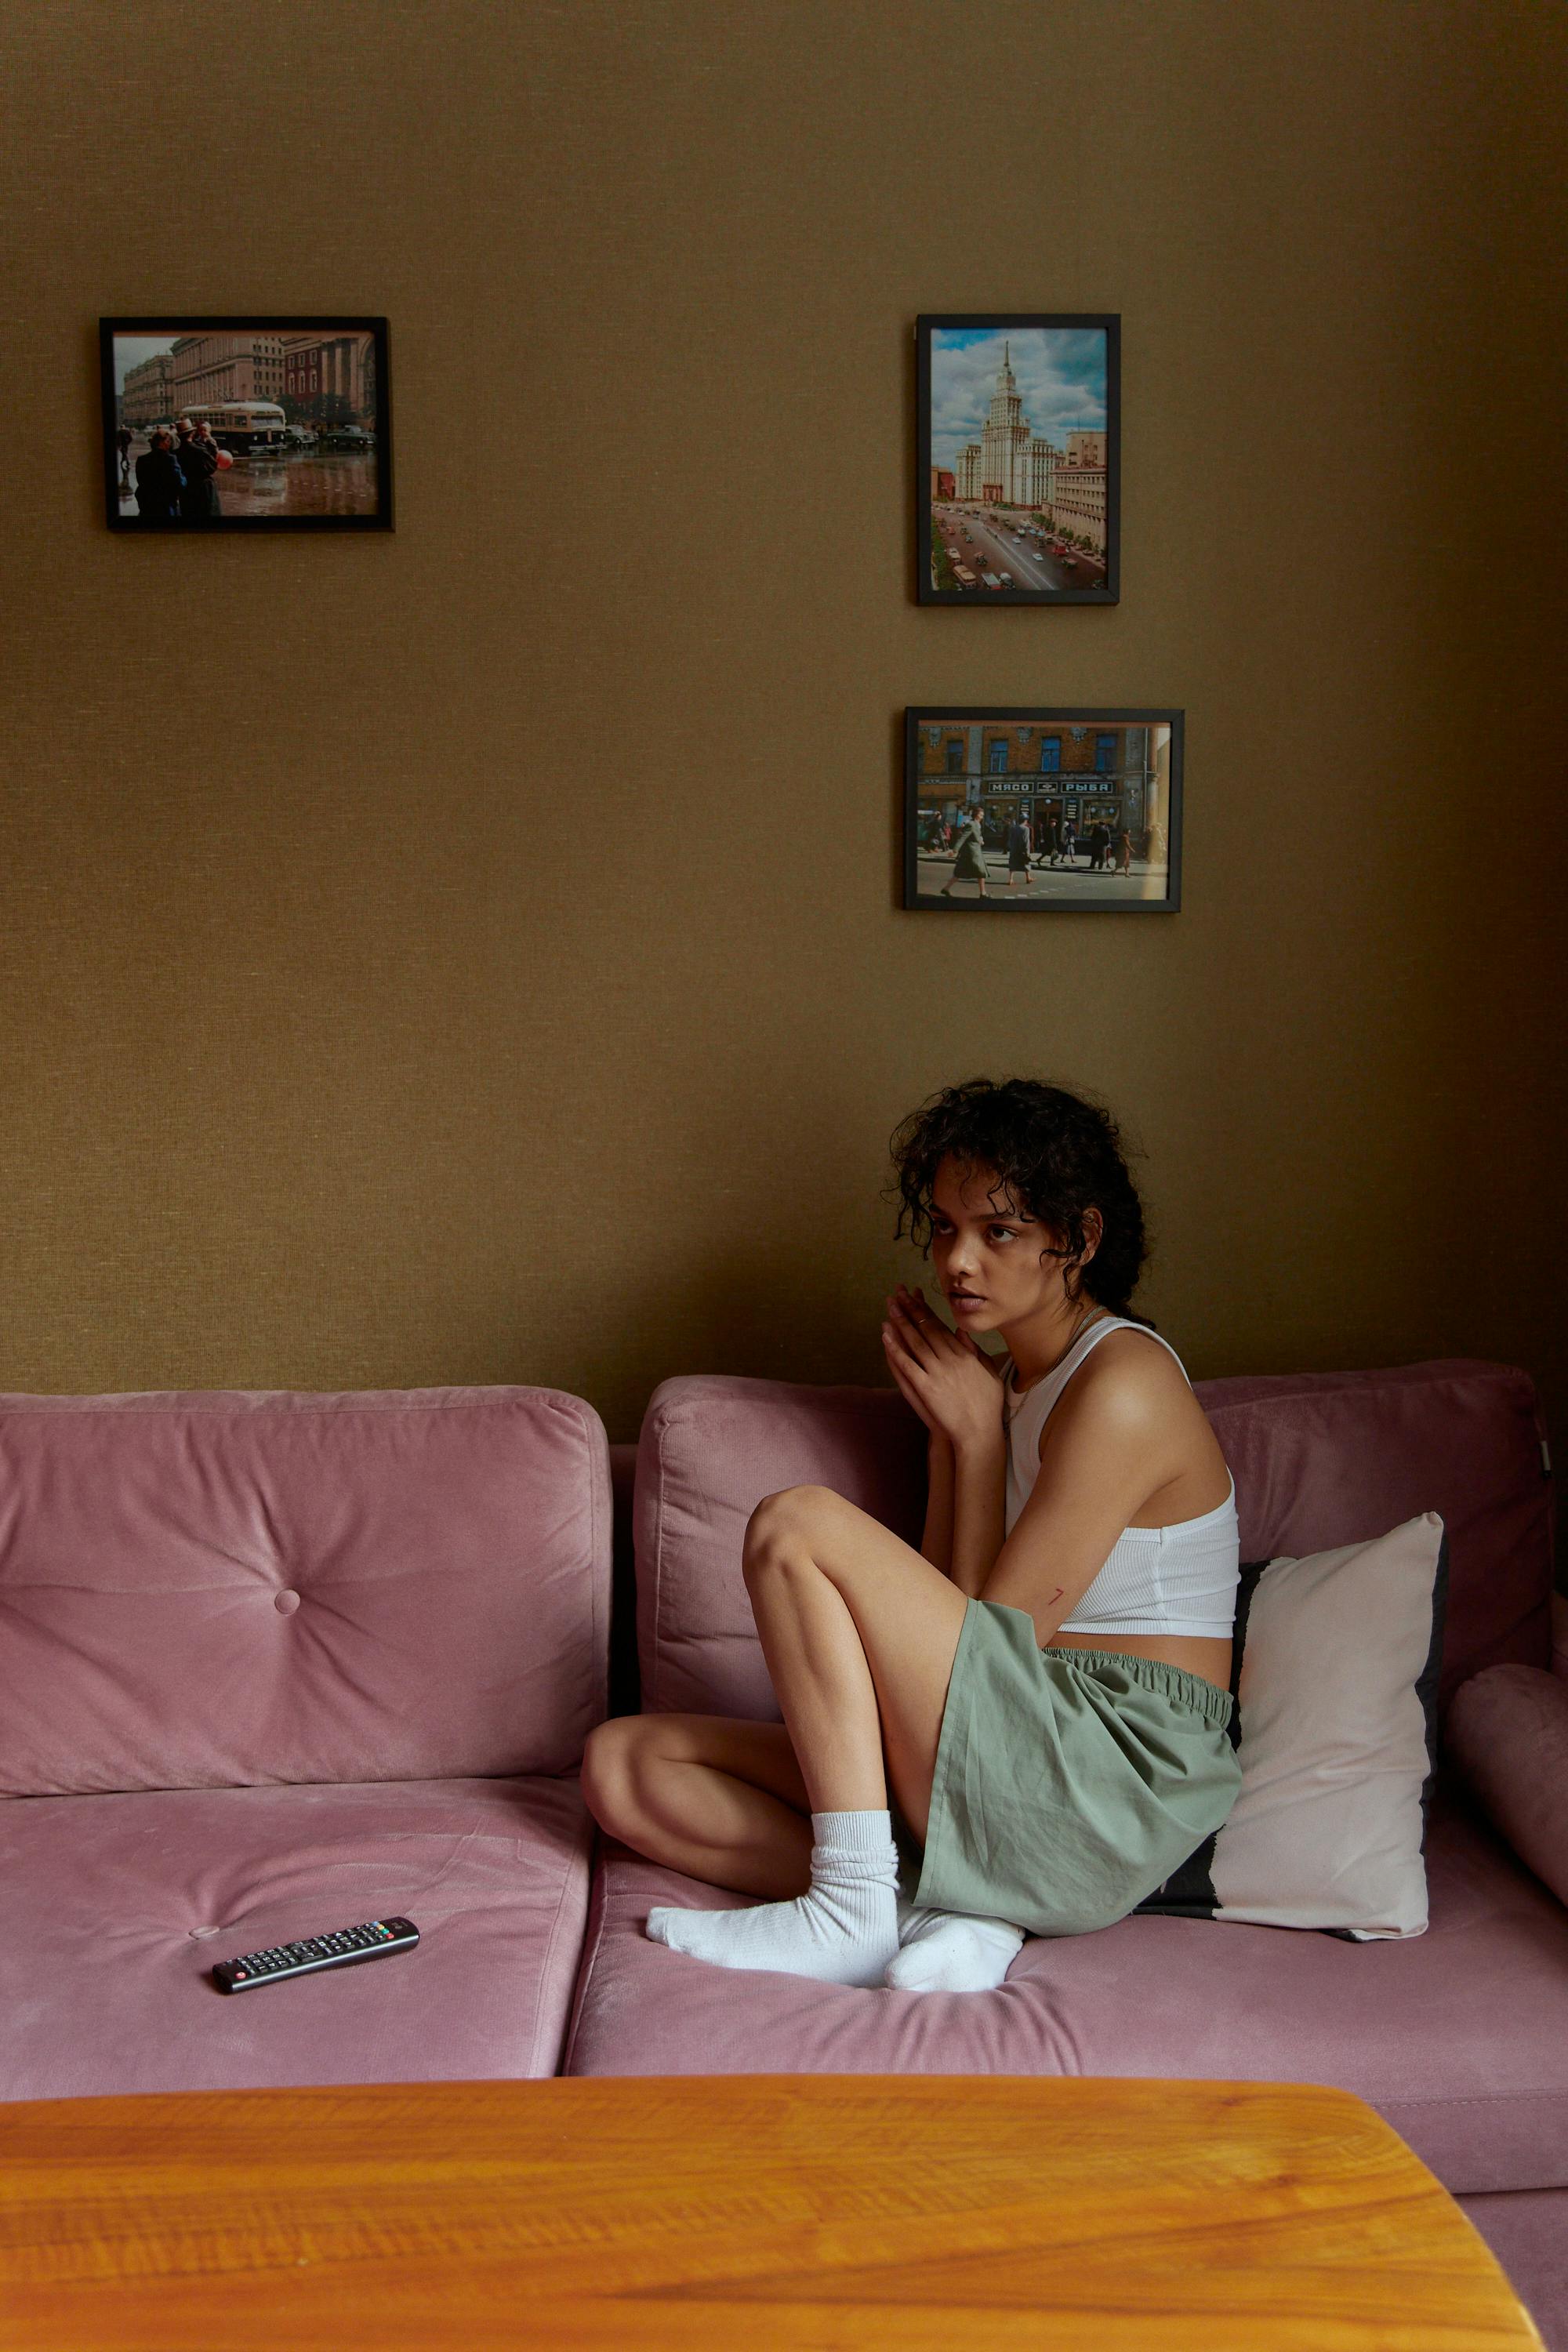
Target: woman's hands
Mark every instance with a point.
(950, 1382)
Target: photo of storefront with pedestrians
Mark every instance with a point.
(1040, 808)
(1020, 459)
(233, 422)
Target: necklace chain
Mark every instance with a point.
(1082, 1325)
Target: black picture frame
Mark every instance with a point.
(171, 325)
(1144, 781)
(1058, 558)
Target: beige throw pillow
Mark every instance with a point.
(1335, 1675)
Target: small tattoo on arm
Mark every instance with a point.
(1058, 1593)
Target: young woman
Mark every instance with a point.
(1042, 1689)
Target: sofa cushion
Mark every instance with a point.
(117, 1906)
(712, 1446)
(1507, 1735)
(1459, 2037)
(1334, 1672)
(210, 1589)
(1528, 2232)
(1319, 1460)
(1330, 1458)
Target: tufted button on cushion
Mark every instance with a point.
(285, 1602)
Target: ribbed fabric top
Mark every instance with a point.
(1177, 1579)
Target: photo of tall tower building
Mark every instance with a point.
(1013, 463)
(1020, 422)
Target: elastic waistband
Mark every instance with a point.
(1174, 1682)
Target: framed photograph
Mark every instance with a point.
(1052, 811)
(1019, 454)
(246, 423)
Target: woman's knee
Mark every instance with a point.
(783, 1527)
(612, 1761)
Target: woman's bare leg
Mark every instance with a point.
(859, 1633)
(720, 1800)
(908, 1617)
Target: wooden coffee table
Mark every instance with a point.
(937, 2213)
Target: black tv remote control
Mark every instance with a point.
(308, 1957)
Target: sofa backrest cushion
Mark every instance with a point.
(1319, 1460)
(225, 1588)
(1332, 1458)
(712, 1446)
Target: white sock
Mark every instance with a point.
(948, 1951)
(843, 1930)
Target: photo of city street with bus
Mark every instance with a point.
(1052, 810)
(235, 423)
(1018, 458)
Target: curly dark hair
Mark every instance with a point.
(1054, 1155)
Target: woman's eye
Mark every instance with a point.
(1001, 1232)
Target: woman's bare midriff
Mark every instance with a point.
(1190, 1653)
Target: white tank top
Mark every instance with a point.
(1177, 1579)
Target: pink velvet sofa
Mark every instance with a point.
(276, 1664)
(1459, 2037)
(272, 1665)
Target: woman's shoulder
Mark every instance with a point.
(1139, 1395)
(1133, 1373)
(1131, 1340)
(1131, 1395)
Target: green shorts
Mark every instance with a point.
(1069, 1784)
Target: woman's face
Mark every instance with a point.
(987, 1254)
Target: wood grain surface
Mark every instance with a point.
(760, 2211)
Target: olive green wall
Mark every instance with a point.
(472, 954)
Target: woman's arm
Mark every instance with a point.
(1126, 1442)
(966, 1499)
(956, 1391)
(979, 1511)
(936, 1539)
(936, 1542)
